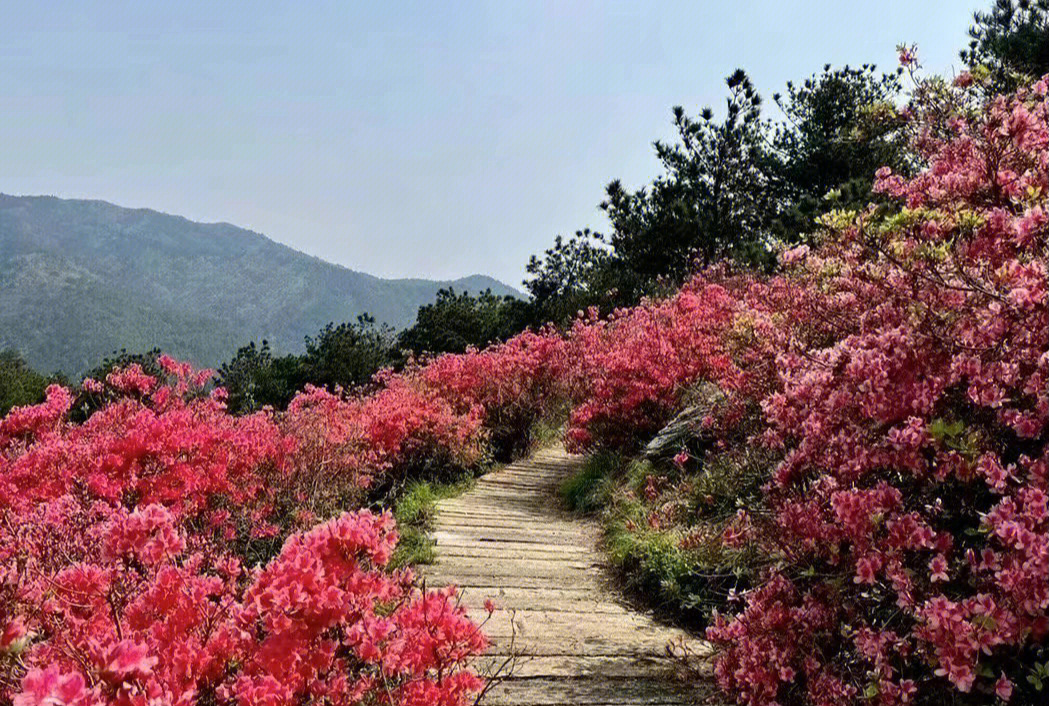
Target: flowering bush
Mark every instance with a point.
(629, 372)
(150, 443)
(107, 607)
(909, 509)
(123, 543)
(513, 384)
(359, 441)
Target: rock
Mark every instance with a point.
(687, 427)
(684, 427)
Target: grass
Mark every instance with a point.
(683, 583)
(544, 432)
(591, 488)
(415, 512)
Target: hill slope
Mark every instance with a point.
(80, 279)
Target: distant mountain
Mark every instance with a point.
(81, 279)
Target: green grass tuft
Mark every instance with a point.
(415, 512)
(590, 489)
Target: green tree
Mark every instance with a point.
(343, 356)
(347, 355)
(731, 189)
(255, 378)
(713, 201)
(19, 384)
(575, 274)
(1009, 43)
(454, 322)
(838, 128)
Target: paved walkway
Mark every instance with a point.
(508, 539)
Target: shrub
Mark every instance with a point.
(515, 385)
(909, 509)
(629, 373)
(110, 607)
(881, 448)
(127, 543)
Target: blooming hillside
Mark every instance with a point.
(895, 375)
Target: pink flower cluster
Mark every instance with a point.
(512, 384)
(124, 550)
(365, 438)
(911, 405)
(628, 373)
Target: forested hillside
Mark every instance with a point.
(80, 279)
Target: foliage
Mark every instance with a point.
(909, 506)
(713, 200)
(731, 188)
(629, 371)
(894, 379)
(19, 384)
(515, 386)
(839, 127)
(1009, 43)
(129, 543)
(455, 322)
(347, 355)
(378, 441)
(340, 357)
(664, 524)
(576, 274)
(586, 490)
(147, 361)
(255, 378)
(89, 401)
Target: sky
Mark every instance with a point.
(402, 139)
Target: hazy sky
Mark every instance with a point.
(402, 139)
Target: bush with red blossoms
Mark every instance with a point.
(102, 605)
(362, 441)
(911, 407)
(151, 442)
(629, 372)
(513, 385)
(135, 559)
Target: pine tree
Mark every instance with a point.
(1009, 44)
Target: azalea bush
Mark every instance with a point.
(881, 431)
(152, 440)
(104, 605)
(630, 371)
(361, 441)
(146, 556)
(908, 512)
(513, 385)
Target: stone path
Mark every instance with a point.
(508, 539)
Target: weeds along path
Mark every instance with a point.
(508, 539)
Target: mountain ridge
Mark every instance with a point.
(82, 278)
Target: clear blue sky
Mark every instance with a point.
(403, 139)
